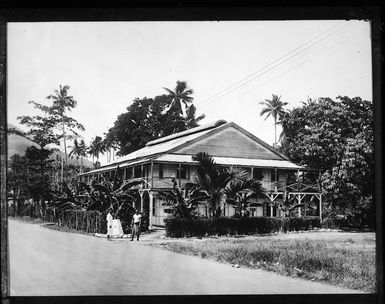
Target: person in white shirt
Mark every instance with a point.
(109, 224)
(136, 221)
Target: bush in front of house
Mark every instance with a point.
(181, 227)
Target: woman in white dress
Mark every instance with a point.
(117, 230)
(109, 224)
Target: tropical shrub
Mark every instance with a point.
(116, 196)
(222, 184)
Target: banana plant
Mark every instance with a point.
(183, 206)
(64, 200)
(287, 206)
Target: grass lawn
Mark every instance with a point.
(338, 258)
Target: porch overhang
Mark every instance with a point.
(232, 161)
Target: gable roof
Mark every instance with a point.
(171, 144)
(187, 132)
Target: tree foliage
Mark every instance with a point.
(180, 98)
(150, 118)
(29, 177)
(55, 124)
(115, 195)
(274, 108)
(96, 148)
(183, 206)
(219, 182)
(79, 149)
(337, 137)
(239, 193)
(52, 127)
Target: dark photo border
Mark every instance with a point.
(198, 11)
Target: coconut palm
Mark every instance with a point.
(310, 101)
(82, 150)
(109, 146)
(96, 148)
(75, 151)
(180, 98)
(213, 180)
(191, 120)
(62, 102)
(274, 108)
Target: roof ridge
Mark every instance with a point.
(187, 132)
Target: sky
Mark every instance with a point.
(231, 66)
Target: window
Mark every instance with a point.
(184, 172)
(169, 211)
(160, 170)
(274, 175)
(146, 170)
(266, 209)
(257, 173)
(137, 171)
(128, 173)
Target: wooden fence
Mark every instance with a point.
(81, 220)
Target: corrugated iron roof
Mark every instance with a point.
(157, 150)
(187, 132)
(114, 166)
(160, 148)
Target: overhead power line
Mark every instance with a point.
(294, 67)
(307, 45)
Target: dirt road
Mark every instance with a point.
(48, 262)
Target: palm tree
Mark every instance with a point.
(96, 148)
(91, 152)
(61, 103)
(240, 192)
(213, 181)
(75, 151)
(109, 146)
(82, 151)
(79, 150)
(191, 120)
(310, 101)
(274, 108)
(180, 98)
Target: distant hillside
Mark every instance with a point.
(18, 142)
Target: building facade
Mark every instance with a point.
(170, 158)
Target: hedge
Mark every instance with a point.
(180, 227)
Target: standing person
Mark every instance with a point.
(136, 221)
(109, 224)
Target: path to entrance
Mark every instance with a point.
(54, 263)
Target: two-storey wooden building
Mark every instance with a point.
(170, 157)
